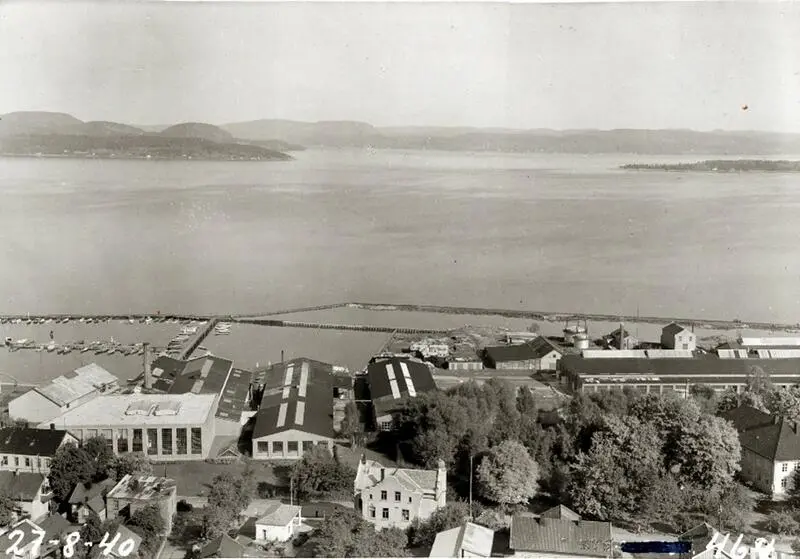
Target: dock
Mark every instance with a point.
(343, 327)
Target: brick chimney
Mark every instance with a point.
(148, 373)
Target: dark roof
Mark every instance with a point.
(31, 442)
(273, 376)
(22, 486)
(223, 546)
(380, 388)
(615, 333)
(54, 526)
(342, 382)
(773, 438)
(708, 365)
(180, 377)
(553, 535)
(560, 511)
(310, 412)
(234, 395)
(672, 329)
(82, 493)
(505, 353)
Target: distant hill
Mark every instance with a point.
(721, 166)
(328, 133)
(104, 128)
(277, 145)
(36, 122)
(198, 130)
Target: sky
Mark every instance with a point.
(560, 66)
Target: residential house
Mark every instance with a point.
(87, 499)
(279, 523)
(395, 497)
(63, 393)
(675, 336)
(537, 355)
(621, 339)
(532, 536)
(392, 382)
(125, 543)
(296, 411)
(23, 449)
(467, 540)
(27, 546)
(30, 492)
(770, 448)
(134, 493)
(223, 547)
(56, 529)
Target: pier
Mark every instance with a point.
(199, 337)
(345, 327)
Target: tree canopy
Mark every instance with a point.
(318, 474)
(70, 465)
(508, 475)
(346, 534)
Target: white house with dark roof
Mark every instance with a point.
(675, 336)
(24, 449)
(279, 523)
(395, 497)
(62, 394)
(30, 492)
(467, 540)
(394, 381)
(296, 411)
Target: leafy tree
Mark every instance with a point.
(434, 424)
(526, 403)
(216, 521)
(351, 423)
(793, 490)
(758, 381)
(796, 546)
(345, 534)
(709, 452)
(784, 402)
(664, 501)
(133, 463)
(320, 474)
(422, 533)
(7, 509)
(101, 455)
(150, 521)
(508, 474)
(706, 398)
(782, 523)
(70, 465)
(724, 507)
(228, 497)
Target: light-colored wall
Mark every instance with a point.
(33, 407)
(277, 533)
(464, 366)
(676, 342)
(286, 437)
(409, 500)
(549, 362)
(36, 464)
(167, 506)
(782, 479)
(36, 508)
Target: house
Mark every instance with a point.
(395, 497)
(223, 547)
(621, 339)
(23, 449)
(536, 355)
(392, 381)
(468, 540)
(770, 448)
(56, 529)
(31, 492)
(87, 499)
(126, 543)
(296, 411)
(63, 393)
(675, 336)
(134, 493)
(25, 547)
(279, 523)
(560, 512)
(166, 427)
(553, 537)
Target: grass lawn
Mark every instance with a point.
(194, 478)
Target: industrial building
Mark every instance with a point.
(24, 449)
(296, 410)
(166, 427)
(63, 393)
(392, 382)
(536, 355)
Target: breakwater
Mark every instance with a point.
(345, 327)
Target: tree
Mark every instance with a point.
(782, 523)
(346, 534)
(434, 423)
(150, 521)
(320, 474)
(133, 463)
(422, 533)
(706, 398)
(101, 455)
(758, 381)
(351, 423)
(228, 497)
(508, 474)
(708, 452)
(664, 501)
(70, 465)
(7, 509)
(783, 402)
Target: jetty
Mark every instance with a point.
(345, 327)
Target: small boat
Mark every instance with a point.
(67, 349)
(9, 340)
(85, 349)
(189, 330)
(148, 320)
(131, 321)
(222, 328)
(51, 347)
(100, 349)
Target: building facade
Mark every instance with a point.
(134, 493)
(30, 450)
(395, 497)
(467, 540)
(30, 492)
(539, 354)
(675, 336)
(392, 382)
(279, 523)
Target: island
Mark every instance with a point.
(721, 166)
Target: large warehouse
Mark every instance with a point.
(166, 427)
(392, 382)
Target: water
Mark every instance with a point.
(540, 232)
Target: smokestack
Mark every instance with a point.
(148, 374)
(52, 426)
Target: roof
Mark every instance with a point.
(29, 535)
(29, 441)
(54, 526)
(74, 385)
(615, 333)
(369, 475)
(138, 410)
(223, 546)
(279, 515)
(82, 493)
(397, 378)
(143, 488)
(673, 329)
(504, 353)
(234, 395)
(273, 375)
(297, 395)
(552, 535)
(769, 436)
(202, 375)
(772, 341)
(472, 538)
(22, 486)
(125, 534)
(560, 511)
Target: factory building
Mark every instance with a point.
(539, 354)
(392, 382)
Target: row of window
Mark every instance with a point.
(385, 513)
(181, 447)
(398, 496)
(785, 466)
(291, 446)
(28, 461)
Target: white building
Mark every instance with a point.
(467, 540)
(279, 523)
(675, 336)
(30, 450)
(62, 394)
(30, 492)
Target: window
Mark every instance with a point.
(137, 440)
(370, 496)
(5, 460)
(27, 462)
(405, 514)
(409, 499)
(108, 435)
(16, 461)
(307, 445)
(197, 441)
(783, 483)
(45, 462)
(785, 467)
(180, 435)
(152, 442)
(166, 441)
(371, 511)
(277, 447)
(292, 447)
(39, 462)
(263, 446)
(386, 425)
(122, 441)
(385, 514)
(397, 496)
(383, 496)
(90, 433)
(685, 346)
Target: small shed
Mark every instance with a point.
(279, 523)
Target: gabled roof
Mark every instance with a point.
(143, 488)
(560, 511)
(54, 526)
(542, 347)
(29, 535)
(279, 514)
(83, 494)
(774, 438)
(71, 386)
(471, 538)
(397, 378)
(369, 475)
(21, 486)
(615, 333)
(234, 395)
(709, 365)
(747, 417)
(202, 375)
(505, 353)
(273, 376)
(552, 535)
(223, 546)
(30, 442)
(673, 329)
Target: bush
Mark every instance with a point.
(183, 506)
(782, 523)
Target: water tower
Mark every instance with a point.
(574, 329)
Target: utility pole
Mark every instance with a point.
(291, 491)
(471, 518)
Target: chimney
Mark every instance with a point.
(52, 426)
(281, 356)
(363, 459)
(148, 374)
